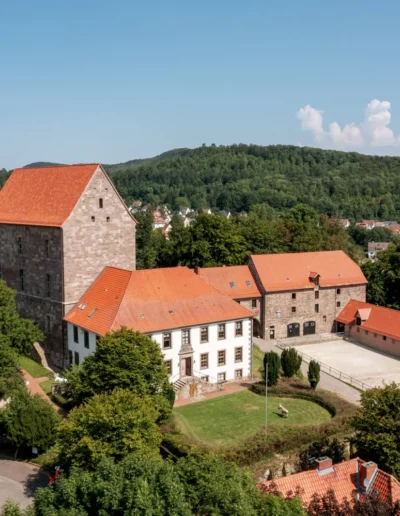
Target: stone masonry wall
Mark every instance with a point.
(247, 303)
(38, 254)
(90, 245)
(278, 308)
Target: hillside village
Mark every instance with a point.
(211, 335)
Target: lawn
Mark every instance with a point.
(258, 361)
(235, 417)
(46, 386)
(33, 368)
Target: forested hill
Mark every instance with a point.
(237, 177)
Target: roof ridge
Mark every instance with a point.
(375, 306)
(58, 166)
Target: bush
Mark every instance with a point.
(324, 448)
(274, 367)
(313, 374)
(291, 362)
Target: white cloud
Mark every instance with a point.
(374, 130)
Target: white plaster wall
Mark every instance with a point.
(212, 347)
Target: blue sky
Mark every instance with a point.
(85, 81)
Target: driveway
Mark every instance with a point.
(327, 382)
(19, 481)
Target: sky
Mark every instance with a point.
(101, 81)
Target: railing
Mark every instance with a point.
(331, 370)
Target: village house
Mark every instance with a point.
(238, 283)
(302, 293)
(366, 224)
(345, 223)
(372, 325)
(352, 478)
(59, 227)
(375, 247)
(204, 335)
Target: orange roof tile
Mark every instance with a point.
(236, 282)
(43, 196)
(152, 300)
(280, 272)
(342, 481)
(384, 321)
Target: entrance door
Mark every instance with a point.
(293, 330)
(272, 332)
(186, 366)
(309, 328)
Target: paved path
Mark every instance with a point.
(229, 388)
(19, 481)
(327, 382)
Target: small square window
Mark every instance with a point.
(324, 318)
(185, 337)
(168, 366)
(76, 358)
(221, 331)
(221, 377)
(375, 335)
(316, 308)
(316, 294)
(384, 337)
(221, 357)
(294, 295)
(238, 328)
(19, 245)
(21, 280)
(204, 361)
(337, 304)
(338, 291)
(204, 378)
(76, 336)
(167, 341)
(108, 219)
(293, 309)
(100, 203)
(238, 374)
(93, 218)
(254, 303)
(238, 354)
(204, 334)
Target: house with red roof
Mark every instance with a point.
(351, 479)
(375, 326)
(204, 335)
(59, 227)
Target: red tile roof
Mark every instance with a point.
(384, 321)
(280, 272)
(43, 196)
(342, 479)
(152, 300)
(222, 278)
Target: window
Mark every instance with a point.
(324, 318)
(70, 357)
(76, 358)
(338, 291)
(232, 284)
(204, 361)
(167, 341)
(100, 203)
(238, 328)
(204, 334)
(384, 337)
(221, 377)
(248, 283)
(204, 378)
(93, 218)
(221, 331)
(21, 280)
(186, 337)
(254, 303)
(48, 285)
(358, 321)
(337, 304)
(294, 295)
(19, 245)
(168, 365)
(316, 294)
(316, 308)
(238, 354)
(293, 309)
(47, 248)
(375, 335)
(238, 374)
(76, 337)
(108, 219)
(48, 323)
(221, 357)
(86, 339)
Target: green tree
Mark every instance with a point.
(274, 367)
(29, 421)
(127, 360)
(20, 333)
(10, 378)
(145, 257)
(291, 362)
(11, 508)
(313, 373)
(377, 427)
(109, 425)
(303, 224)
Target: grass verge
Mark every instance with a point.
(33, 368)
(258, 361)
(46, 386)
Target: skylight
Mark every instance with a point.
(248, 283)
(93, 312)
(232, 284)
(82, 306)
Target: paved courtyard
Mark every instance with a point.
(18, 481)
(362, 363)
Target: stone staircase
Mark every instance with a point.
(179, 384)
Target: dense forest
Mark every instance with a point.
(239, 177)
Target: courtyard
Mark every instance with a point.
(362, 363)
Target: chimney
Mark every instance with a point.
(196, 269)
(324, 465)
(367, 471)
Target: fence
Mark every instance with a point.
(331, 370)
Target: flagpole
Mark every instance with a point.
(266, 396)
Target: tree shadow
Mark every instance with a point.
(33, 481)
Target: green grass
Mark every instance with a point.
(235, 417)
(258, 361)
(46, 386)
(33, 368)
